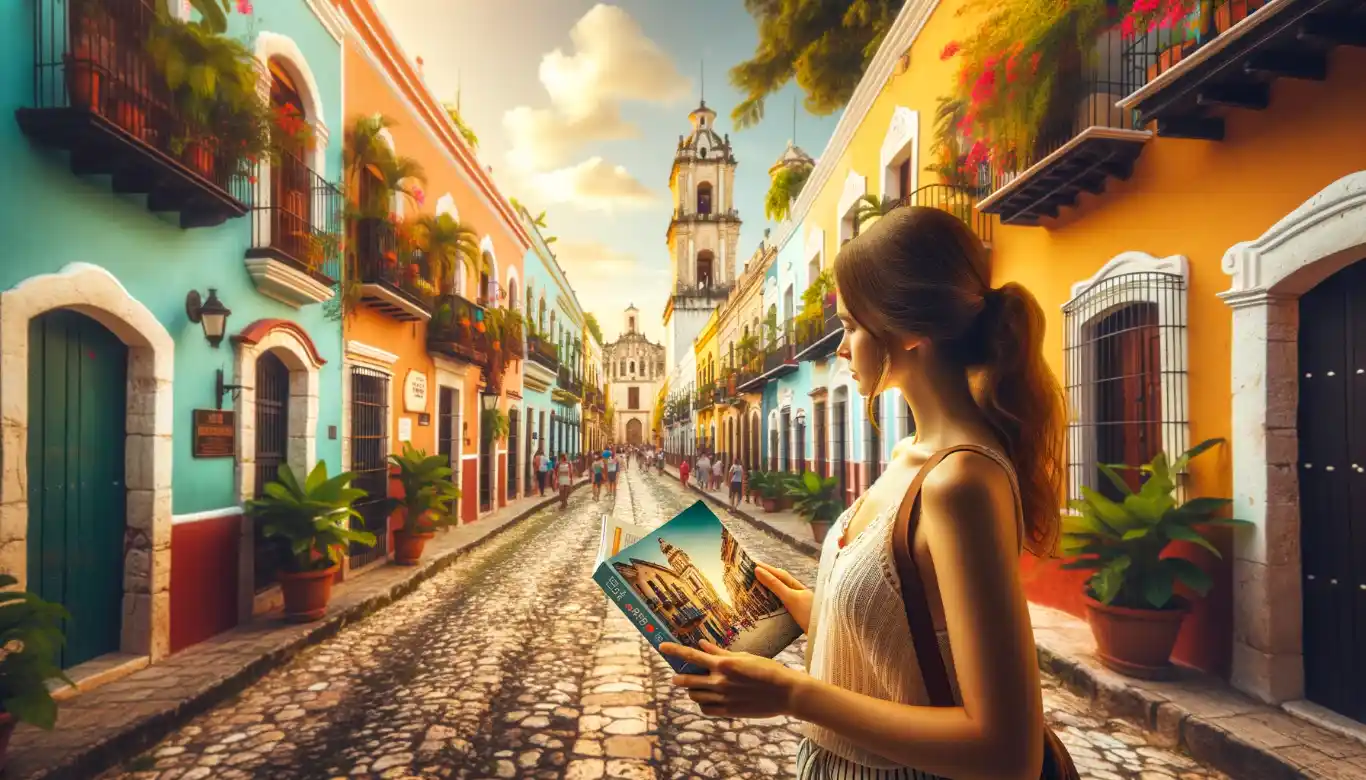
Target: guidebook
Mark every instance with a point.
(690, 580)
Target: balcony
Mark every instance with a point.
(1086, 140)
(780, 358)
(749, 375)
(706, 289)
(98, 97)
(514, 338)
(819, 340)
(389, 286)
(542, 352)
(1240, 50)
(682, 215)
(295, 254)
(705, 396)
(568, 382)
(453, 332)
(957, 201)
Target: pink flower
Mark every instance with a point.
(985, 86)
(419, 195)
(244, 7)
(1127, 27)
(1034, 63)
(949, 50)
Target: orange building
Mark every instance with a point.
(434, 253)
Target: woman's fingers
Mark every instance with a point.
(782, 576)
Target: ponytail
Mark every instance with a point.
(1023, 402)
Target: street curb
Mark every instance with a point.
(146, 732)
(1202, 739)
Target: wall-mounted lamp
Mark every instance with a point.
(801, 417)
(212, 315)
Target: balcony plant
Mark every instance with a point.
(448, 243)
(313, 518)
(91, 50)
(1132, 601)
(212, 81)
(428, 501)
(30, 638)
(815, 498)
(772, 487)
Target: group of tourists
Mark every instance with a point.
(605, 466)
(557, 471)
(710, 473)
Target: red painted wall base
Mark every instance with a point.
(203, 579)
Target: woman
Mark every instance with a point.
(612, 473)
(540, 465)
(737, 479)
(597, 475)
(919, 316)
(564, 477)
(683, 470)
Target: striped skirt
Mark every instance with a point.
(816, 763)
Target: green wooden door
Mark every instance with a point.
(76, 438)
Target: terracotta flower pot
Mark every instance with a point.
(132, 117)
(770, 504)
(307, 593)
(199, 155)
(819, 528)
(408, 547)
(7, 724)
(84, 76)
(1234, 11)
(1136, 642)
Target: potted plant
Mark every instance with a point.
(314, 520)
(90, 54)
(495, 424)
(428, 501)
(772, 488)
(30, 638)
(814, 498)
(493, 327)
(1131, 600)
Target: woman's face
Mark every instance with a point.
(860, 348)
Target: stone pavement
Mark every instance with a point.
(96, 728)
(1201, 714)
(512, 663)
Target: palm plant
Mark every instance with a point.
(870, 207)
(448, 243)
(429, 495)
(312, 517)
(783, 189)
(30, 638)
(814, 497)
(366, 152)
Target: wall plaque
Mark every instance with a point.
(415, 392)
(215, 433)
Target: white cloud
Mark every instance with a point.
(601, 274)
(612, 61)
(592, 185)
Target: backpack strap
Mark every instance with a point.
(933, 671)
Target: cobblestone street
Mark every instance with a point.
(512, 663)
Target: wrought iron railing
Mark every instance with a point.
(781, 350)
(91, 58)
(455, 329)
(958, 201)
(300, 223)
(377, 262)
(706, 289)
(541, 351)
(514, 340)
(1157, 50)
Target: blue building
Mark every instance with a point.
(128, 240)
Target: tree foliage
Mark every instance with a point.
(783, 190)
(591, 322)
(824, 44)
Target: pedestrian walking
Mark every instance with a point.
(597, 475)
(564, 477)
(703, 471)
(610, 459)
(683, 470)
(737, 479)
(978, 482)
(541, 465)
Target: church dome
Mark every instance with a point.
(792, 157)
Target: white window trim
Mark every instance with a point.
(855, 187)
(1172, 314)
(901, 142)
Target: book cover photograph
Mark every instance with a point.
(689, 580)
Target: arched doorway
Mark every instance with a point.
(705, 262)
(78, 379)
(1332, 335)
(634, 432)
(704, 198)
(291, 180)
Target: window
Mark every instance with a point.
(1125, 375)
(633, 398)
(633, 366)
(903, 178)
(704, 268)
(704, 198)
(370, 458)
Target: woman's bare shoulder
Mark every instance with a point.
(972, 489)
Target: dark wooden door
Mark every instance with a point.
(785, 440)
(78, 380)
(272, 445)
(837, 450)
(514, 442)
(1332, 436)
(822, 468)
(1128, 364)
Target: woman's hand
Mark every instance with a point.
(738, 685)
(789, 590)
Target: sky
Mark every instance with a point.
(578, 107)
(696, 531)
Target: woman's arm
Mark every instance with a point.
(968, 521)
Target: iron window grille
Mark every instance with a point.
(821, 467)
(370, 459)
(1126, 376)
(272, 447)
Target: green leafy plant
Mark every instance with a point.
(783, 189)
(31, 637)
(429, 495)
(312, 517)
(448, 242)
(771, 485)
(1126, 542)
(814, 497)
(495, 424)
(870, 207)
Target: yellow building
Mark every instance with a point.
(707, 351)
(1192, 204)
(739, 323)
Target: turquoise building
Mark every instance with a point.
(138, 413)
(553, 372)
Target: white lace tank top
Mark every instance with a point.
(859, 639)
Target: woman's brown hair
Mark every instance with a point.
(922, 272)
